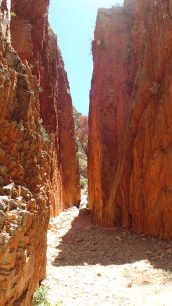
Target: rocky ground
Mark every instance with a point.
(89, 265)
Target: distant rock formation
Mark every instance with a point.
(38, 166)
(130, 118)
(81, 131)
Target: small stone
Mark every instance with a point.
(23, 205)
(31, 205)
(4, 238)
(24, 191)
(12, 229)
(118, 238)
(28, 196)
(130, 285)
(26, 218)
(12, 216)
(12, 205)
(8, 189)
(14, 193)
(19, 200)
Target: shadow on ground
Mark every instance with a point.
(85, 244)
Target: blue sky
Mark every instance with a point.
(74, 21)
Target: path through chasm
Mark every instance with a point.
(89, 265)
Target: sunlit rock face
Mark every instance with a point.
(34, 178)
(81, 129)
(81, 132)
(35, 42)
(24, 160)
(130, 115)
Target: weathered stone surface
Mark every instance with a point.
(22, 265)
(67, 146)
(38, 46)
(33, 176)
(130, 118)
(107, 115)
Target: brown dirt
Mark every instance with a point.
(90, 265)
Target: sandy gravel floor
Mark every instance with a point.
(94, 266)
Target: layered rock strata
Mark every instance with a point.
(35, 42)
(33, 177)
(24, 175)
(130, 118)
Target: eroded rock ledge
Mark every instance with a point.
(35, 42)
(38, 167)
(130, 152)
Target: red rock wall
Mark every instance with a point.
(130, 133)
(39, 47)
(33, 177)
(81, 129)
(67, 145)
(107, 117)
(82, 132)
(24, 159)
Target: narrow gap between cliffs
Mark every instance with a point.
(81, 134)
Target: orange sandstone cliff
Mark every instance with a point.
(35, 42)
(38, 173)
(81, 129)
(130, 118)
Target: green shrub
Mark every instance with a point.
(40, 296)
(13, 14)
(83, 182)
(44, 134)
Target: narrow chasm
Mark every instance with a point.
(81, 134)
(86, 202)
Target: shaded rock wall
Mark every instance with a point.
(130, 118)
(67, 144)
(38, 46)
(33, 174)
(107, 114)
